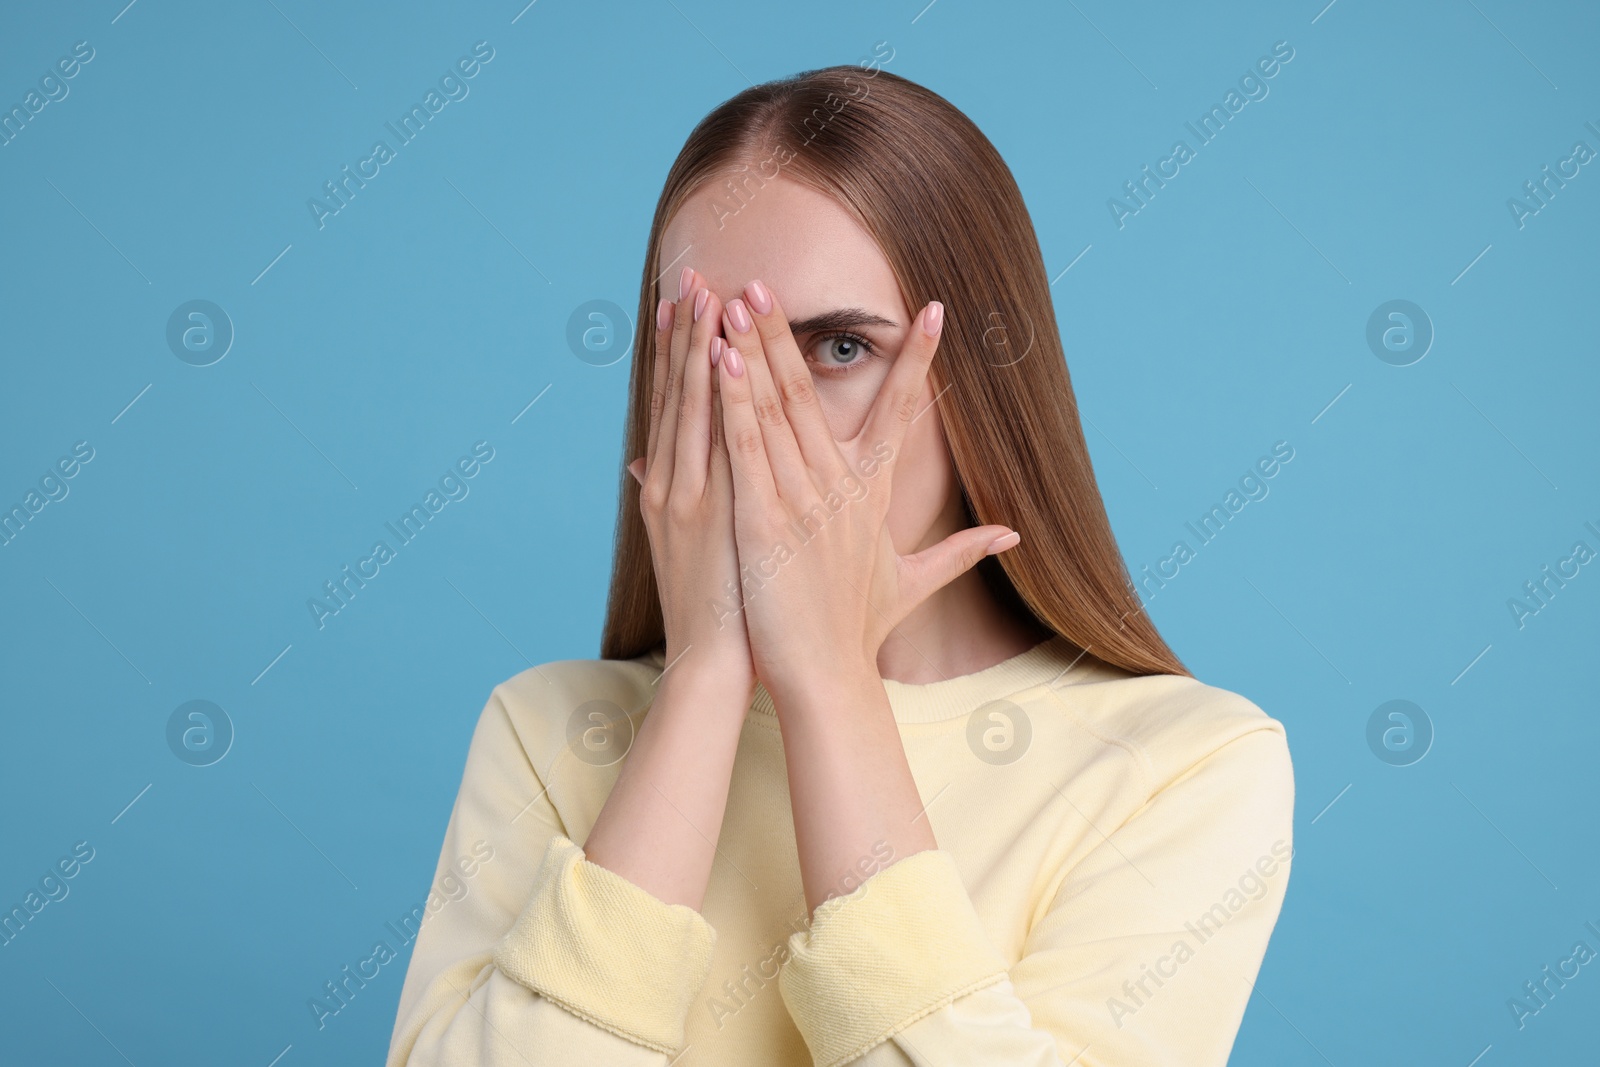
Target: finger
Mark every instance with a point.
(899, 398)
(747, 451)
(719, 442)
(666, 330)
(658, 373)
(720, 495)
(719, 421)
(719, 475)
(669, 382)
(791, 378)
(789, 470)
(693, 445)
(937, 566)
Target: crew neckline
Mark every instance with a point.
(1051, 660)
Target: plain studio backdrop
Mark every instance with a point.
(250, 392)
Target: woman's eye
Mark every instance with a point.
(840, 351)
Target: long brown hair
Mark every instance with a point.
(945, 210)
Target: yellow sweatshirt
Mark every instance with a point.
(1113, 855)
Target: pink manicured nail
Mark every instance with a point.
(933, 321)
(685, 280)
(735, 362)
(739, 315)
(663, 314)
(700, 303)
(760, 299)
(1003, 542)
(717, 345)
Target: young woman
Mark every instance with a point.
(884, 763)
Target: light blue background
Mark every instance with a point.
(1227, 315)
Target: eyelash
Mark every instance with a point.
(836, 371)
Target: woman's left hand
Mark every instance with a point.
(823, 582)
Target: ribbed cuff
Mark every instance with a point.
(607, 951)
(904, 944)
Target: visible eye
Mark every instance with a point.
(840, 353)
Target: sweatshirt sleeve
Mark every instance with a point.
(539, 958)
(1147, 952)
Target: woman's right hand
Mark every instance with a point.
(686, 495)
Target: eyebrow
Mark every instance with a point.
(838, 319)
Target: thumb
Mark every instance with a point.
(937, 566)
(636, 468)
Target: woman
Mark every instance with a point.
(884, 764)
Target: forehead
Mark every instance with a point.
(801, 242)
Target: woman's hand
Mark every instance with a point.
(686, 496)
(825, 585)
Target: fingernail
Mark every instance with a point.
(735, 362)
(933, 319)
(700, 302)
(685, 280)
(1003, 542)
(717, 344)
(760, 299)
(739, 315)
(663, 314)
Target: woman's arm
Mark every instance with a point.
(659, 826)
(491, 982)
(592, 955)
(902, 970)
(1147, 953)
(850, 786)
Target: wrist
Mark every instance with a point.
(717, 685)
(841, 689)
